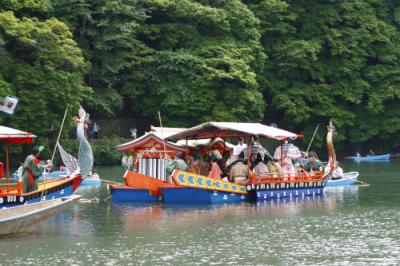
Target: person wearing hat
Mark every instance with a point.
(313, 164)
(177, 163)
(32, 170)
(260, 168)
(239, 171)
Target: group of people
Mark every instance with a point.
(239, 165)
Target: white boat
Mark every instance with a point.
(348, 179)
(26, 218)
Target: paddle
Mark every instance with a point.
(54, 150)
(312, 139)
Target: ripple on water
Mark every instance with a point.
(337, 229)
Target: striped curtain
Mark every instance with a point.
(154, 167)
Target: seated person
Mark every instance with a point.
(194, 166)
(260, 168)
(288, 167)
(337, 172)
(313, 164)
(204, 166)
(215, 172)
(274, 167)
(239, 172)
(177, 163)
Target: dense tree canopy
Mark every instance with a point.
(296, 63)
(40, 63)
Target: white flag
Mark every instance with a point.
(8, 104)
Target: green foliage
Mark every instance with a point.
(41, 64)
(203, 64)
(336, 59)
(296, 63)
(106, 32)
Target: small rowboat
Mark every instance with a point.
(348, 179)
(26, 218)
(376, 158)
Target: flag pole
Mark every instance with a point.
(162, 132)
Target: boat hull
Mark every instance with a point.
(264, 192)
(376, 158)
(191, 195)
(26, 218)
(51, 190)
(129, 194)
(347, 180)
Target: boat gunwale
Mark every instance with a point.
(63, 201)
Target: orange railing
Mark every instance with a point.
(8, 189)
(277, 178)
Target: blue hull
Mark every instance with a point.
(132, 195)
(264, 195)
(380, 158)
(62, 190)
(187, 195)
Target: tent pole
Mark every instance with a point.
(8, 167)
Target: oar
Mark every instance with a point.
(111, 182)
(361, 183)
(54, 150)
(312, 139)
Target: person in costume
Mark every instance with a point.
(177, 163)
(32, 170)
(314, 165)
(239, 172)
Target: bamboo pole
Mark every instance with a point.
(312, 139)
(162, 131)
(7, 167)
(55, 148)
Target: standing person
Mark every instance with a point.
(240, 147)
(239, 172)
(215, 172)
(96, 129)
(133, 132)
(260, 168)
(313, 165)
(32, 170)
(177, 163)
(204, 166)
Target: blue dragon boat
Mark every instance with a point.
(193, 189)
(261, 188)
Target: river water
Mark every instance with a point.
(353, 225)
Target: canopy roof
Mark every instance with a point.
(158, 134)
(232, 129)
(12, 135)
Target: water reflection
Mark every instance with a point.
(151, 216)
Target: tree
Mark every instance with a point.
(40, 63)
(106, 31)
(333, 59)
(203, 65)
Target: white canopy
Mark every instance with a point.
(12, 135)
(232, 129)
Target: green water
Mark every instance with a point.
(354, 225)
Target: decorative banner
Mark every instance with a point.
(187, 179)
(8, 104)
